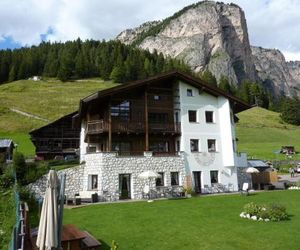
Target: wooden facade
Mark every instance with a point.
(134, 121)
(57, 138)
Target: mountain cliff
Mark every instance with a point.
(274, 71)
(214, 36)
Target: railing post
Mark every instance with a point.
(109, 126)
(146, 122)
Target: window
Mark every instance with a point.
(160, 180)
(189, 92)
(209, 116)
(214, 176)
(92, 181)
(121, 111)
(211, 145)
(160, 118)
(192, 116)
(194, 144)
(156, 97)
(162, 146)
(174, 178)
(121, 147)
(91, 149)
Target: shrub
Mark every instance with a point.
(7, 179)
(277, 212)
(269, 212)
(252, 209)
(19, 166)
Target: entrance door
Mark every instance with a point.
(124, 186)
(197, 181)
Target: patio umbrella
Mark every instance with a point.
(270, 170)
(252, 170)
(48, 227)
(149, 175)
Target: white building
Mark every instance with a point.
(173, 124)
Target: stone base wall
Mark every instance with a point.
(108, 167)
(74, 178)
(243, 177)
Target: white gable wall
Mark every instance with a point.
(221, 130)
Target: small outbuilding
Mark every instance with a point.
(266, 175)
(6, 149)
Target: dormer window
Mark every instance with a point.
(189, 92)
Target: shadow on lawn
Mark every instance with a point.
(104, 245)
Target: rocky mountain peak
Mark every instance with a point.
(214, 36)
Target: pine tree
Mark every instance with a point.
(209, 78)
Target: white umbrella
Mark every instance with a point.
(252, 170)
(270, 170)
(148, 175)
(47, 234)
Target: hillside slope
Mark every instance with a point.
(261, 133)
(49, 99)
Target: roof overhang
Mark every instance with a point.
(237, 104)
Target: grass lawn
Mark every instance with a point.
(7, 217)
(22, 140)
(210, 222)
(261, 132)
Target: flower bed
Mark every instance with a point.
(267, 212)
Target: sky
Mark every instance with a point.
(271, 23)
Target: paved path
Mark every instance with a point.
(28, 115)
(287, 177)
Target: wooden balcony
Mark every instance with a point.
(102, 126)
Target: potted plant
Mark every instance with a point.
(188, 192)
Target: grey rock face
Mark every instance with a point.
(272, 68)
(214, 36)
(294, 69)
(129, 35)
(208, 35)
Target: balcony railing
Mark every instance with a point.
(101, 126)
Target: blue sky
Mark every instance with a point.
(271, 24)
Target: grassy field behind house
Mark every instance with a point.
(261, 132)
(49, 99)
(198, 223)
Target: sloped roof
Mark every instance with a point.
(239, 105)
(257, 163)
(5, 143)
(32, 132)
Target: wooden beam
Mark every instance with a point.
(109, 126)
(146, 122)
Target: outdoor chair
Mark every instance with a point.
(106, 195)
(146, 192)
(230, 187)
(245, 189)
(208, 189)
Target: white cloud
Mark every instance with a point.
(290, 56)
(272, 24)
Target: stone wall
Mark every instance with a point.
(243, 177)
(74, 178)
(108, 167)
